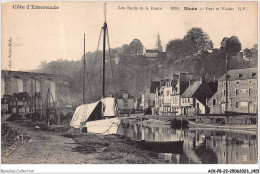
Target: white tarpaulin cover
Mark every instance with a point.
(92, 111)
(110, 107)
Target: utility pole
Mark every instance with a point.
(226, 109)
(226, 83)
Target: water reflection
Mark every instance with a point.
(200, 146)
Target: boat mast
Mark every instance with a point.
(104, 50)
(84, 72)
(34, 94)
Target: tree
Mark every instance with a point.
(176, 49)
(136, 47)
(125, 49)
(230, 45)
(248, 54)
(198, 41)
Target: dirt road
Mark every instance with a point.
(45, 147)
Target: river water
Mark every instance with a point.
(201, 146)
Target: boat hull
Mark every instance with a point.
(162, 147)
(106, 126)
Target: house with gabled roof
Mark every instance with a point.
(194, 99)
(182, 82)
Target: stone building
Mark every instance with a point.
(182, 82)
(18, 103)
(242, 92)
(168, 94)
(194, 99)
(165, 97)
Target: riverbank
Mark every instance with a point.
(27, 142)
(249, 129)
(201, 122)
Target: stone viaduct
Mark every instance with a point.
(30, 82)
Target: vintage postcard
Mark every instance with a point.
(138, 82)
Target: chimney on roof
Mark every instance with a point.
(175, 77)
(202, 79)
(191, 82)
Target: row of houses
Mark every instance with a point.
(20, 103)
(183, 94)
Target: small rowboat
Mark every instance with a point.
(162, 147)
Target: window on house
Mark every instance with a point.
(253, 74)
(224, 92)
(239, 75)
(250, 91)
(188, 99)
(237, 83)
(237, 91)
(237, 104)
(168, 93)
(214, 102)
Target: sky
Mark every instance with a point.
(44, 34)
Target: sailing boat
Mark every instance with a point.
(102, 116)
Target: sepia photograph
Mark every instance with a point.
(137, 82)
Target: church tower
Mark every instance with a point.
(158, 45)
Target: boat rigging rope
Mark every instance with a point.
(89, 78)
(109, 128)
(111, 63)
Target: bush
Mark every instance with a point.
(14, 117)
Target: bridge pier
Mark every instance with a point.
(7, 85)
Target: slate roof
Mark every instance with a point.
(21, 96)
(240, 74)
(213, 86)
(190, 91)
